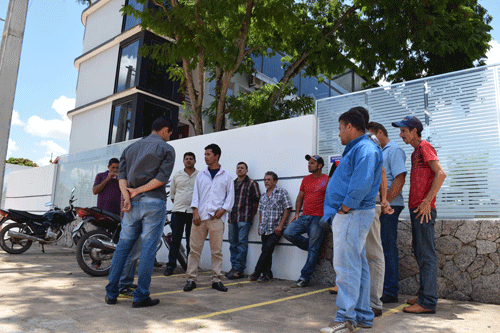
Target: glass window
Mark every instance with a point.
(150, 113)
(121, 115)
(257, 62)
(272, 67)
(127, 73)
(131, 21)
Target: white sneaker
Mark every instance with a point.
(338, 327)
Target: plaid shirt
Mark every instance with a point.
(245, 196)
(272, 209)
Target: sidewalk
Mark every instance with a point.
(50, 293)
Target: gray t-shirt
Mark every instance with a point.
(147, 159)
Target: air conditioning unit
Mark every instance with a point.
(255, 82)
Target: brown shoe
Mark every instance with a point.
(377, 312)
(417, 309)
(334, 290)
(412, 301)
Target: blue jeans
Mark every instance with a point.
(293, 233)
(351, 266)
(389, 233)
(145, 220)
(128, 274)
(425, 252)
(179, 220)
(238, 244)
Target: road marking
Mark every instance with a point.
(396, 309)
(180, 291)
(213, 314)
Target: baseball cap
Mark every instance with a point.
(410, 121)
(317, 158)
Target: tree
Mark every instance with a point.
(392, 39)
(21, 161)
(85, 2)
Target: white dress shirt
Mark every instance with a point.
(210, 195)
(181, 191)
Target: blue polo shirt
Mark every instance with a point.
(356, 181)
(394, 164)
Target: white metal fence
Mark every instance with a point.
(460, 113)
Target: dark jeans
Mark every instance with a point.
(425, 253)
(179, 220)
(265, 261)
(293, 233)
(389, 233)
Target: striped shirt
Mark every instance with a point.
(246, 195)
(272, 208)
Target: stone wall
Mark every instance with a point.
(468, 260)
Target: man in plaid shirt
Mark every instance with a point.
(246, 201)
(274, 208)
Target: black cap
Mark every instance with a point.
(317, 158)
(410, 121)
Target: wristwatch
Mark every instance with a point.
(341, 210)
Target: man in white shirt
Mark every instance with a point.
(181, 194)
(213, 196)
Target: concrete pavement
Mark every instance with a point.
(48, 292)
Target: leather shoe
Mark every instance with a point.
(417, 309)
(145, 303)
(388, 299)
(377, 312)
(110, 301)
(219, 286)
(412, 301)
(190, 285)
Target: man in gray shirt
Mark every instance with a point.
(145, 168)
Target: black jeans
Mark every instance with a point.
(265, 261)
(179, 220)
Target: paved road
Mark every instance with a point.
(47, 292)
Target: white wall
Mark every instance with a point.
(96, 78)
(89, 129)
(278, 146)
(103, 24)
(30, 189)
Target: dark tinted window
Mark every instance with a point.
(150, 112)
(131, 21)
(127, 72)
(122, 115)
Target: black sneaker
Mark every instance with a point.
(218, 286)
(133, 286)
(264, 279)
(230, 272)
(190, 285)
(235, 275)
(145, 303)
(127, 292)
(299, 284)
(110, 301)
(254, 276)
(388, 299)
(168, 271)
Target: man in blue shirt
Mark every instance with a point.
(394, 163)
(350, 200)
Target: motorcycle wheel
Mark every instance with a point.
(14, 245)
(94, 261)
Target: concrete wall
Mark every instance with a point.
(30, 189)
(103, 24)
(96, 78)
(86, 132)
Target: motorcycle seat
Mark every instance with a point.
(108, 213)
(27, 215)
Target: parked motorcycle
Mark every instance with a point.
(95, 249)
(17, 237)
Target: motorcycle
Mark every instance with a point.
(95, 249)
(17, 237)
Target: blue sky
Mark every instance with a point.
(47, 76)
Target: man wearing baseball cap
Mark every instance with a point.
(312, 197)
(426, 179)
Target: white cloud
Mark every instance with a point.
(16, 120)
(11, 147)
(53, 128)
(493, 54)
(53, 149)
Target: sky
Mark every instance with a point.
(46, 85)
